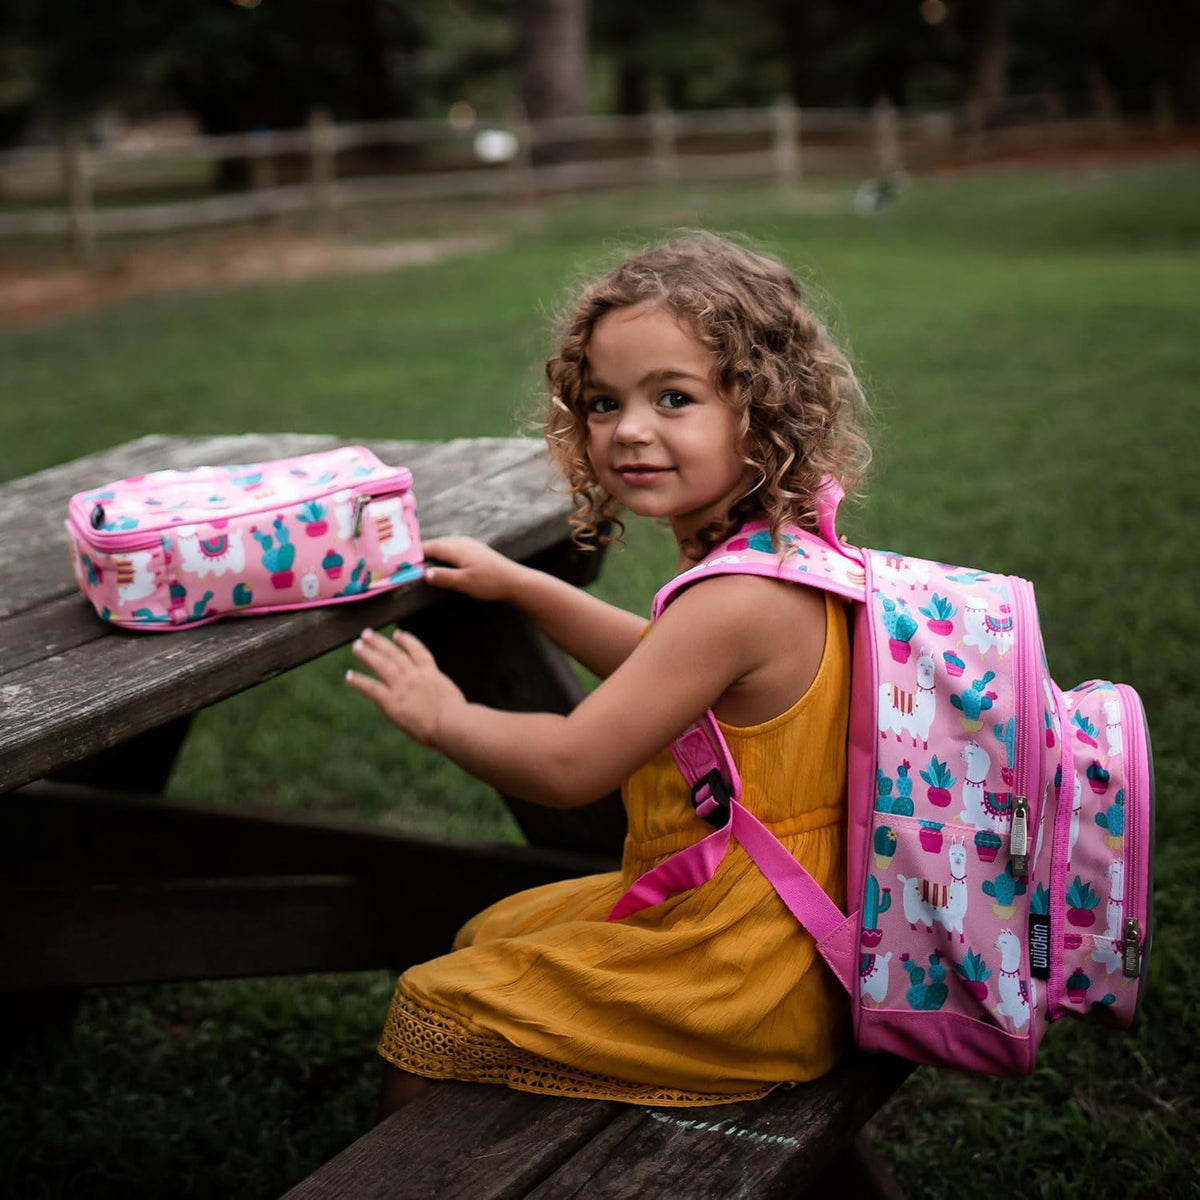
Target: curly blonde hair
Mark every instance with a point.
(801, 409)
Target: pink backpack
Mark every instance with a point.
(1000, 829)
(174, 549)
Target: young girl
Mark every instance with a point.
(692, 385)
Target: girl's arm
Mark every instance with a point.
(598, 635)
(702, 648)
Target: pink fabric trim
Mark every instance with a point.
(687, 869)
(698, 863)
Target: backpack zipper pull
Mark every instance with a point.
(1019, 842)
(1131, 962)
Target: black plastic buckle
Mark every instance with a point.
(718, 790)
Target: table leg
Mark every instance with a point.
(498, 658)
(143, 764)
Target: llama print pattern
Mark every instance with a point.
(178, 547)
(966, 720)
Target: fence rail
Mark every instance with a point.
(437, 159)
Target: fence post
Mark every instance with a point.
(1054, 116)
(885, 126)
(1105, 105)
(77, 187)
(262, 160)
(786, 142)
(1164, 112)
(522, 183)
(322, 164)
(664, 150)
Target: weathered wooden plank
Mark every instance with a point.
(769, 1148)
(52, 628)
(74, 935)
(461, 1142)
(51, 831)
(469, 1140)
(34, 564)
(106, 889)
(93, 696)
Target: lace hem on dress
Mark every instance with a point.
(438, 1046)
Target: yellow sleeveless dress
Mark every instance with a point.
(715, 995)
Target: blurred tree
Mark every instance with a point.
(689, 53)
(266, 66)
(240, 64)
(81, 57)
(552, 57)
(986, 24)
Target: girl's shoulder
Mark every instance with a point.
(771, 632)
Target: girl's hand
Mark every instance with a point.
(413, 694)
(472, 568)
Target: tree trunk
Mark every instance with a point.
(798, 32)
(1181, 19)
(988, 45)
(552, 57)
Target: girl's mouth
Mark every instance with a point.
(642, 473)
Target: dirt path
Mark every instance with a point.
(30, 294)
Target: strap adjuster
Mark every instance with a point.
(713, 806)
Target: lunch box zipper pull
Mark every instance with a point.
(360, 509)
(1019, 842)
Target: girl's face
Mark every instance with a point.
(661, 440)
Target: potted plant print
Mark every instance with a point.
(987, 845)
(1077, 987)
(312, 516)
(955, 666)
(931, 836)
(974, 973)
(972, 702)
(900, 627)
(1004, 890)
(884, 843)
(937, 774)
(278, 558)
(1113, 820)
(939, 612)
(876, 901)
(1082, 903)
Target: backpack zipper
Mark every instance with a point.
(1025, 790)
(1059, 855)
(1134, 752)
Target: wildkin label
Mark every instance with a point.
(1039, 945)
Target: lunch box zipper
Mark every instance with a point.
(117, 542)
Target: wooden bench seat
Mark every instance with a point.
(490, 1143)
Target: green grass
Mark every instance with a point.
(1029, 342)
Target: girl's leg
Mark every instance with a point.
(399, 1088)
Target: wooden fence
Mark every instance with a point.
(311, 170)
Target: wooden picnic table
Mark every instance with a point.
(102, 881)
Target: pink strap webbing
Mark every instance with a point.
(803, 896)
(700, 751)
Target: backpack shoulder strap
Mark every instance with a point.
(703, 757)
(820, 560)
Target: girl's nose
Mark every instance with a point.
(631, 427)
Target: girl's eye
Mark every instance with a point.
(600, 404)
(674, 399)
